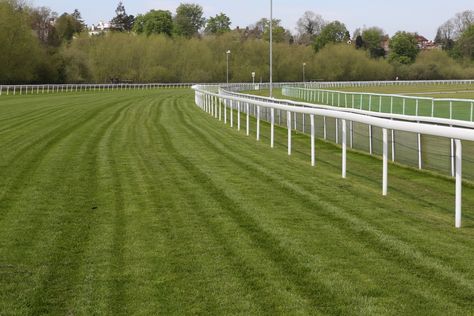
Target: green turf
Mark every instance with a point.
(459, 91)
(460, 110)
(139, 203)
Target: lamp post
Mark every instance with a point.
(271, 48)
(227, 54)
(304, 77)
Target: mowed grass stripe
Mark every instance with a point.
(25, 160)
(237, 232)
(194, 217)
(209, 251)
(267, 164)
(61, 206)
(316, 291)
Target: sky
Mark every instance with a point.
(422, 16)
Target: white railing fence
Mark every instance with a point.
(417, 150)
(6, 90)
(349, 84)
(222, 103)
(450, 108)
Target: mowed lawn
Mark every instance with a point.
(457, 91)
(454, 101)
(126, 203)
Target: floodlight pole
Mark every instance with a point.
(228, 53)
(271, 48)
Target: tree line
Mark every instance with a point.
(40, 46)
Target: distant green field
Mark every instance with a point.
(137, 202)
(456, 109)
(465, 91)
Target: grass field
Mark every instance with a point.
(458, 91)
(139, 203)
(461, 108)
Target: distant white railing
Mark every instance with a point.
(63, 88)
(218, 101)
(38, 89)
(346, 84)
(450, 108)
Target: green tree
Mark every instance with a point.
(344, 62)
(122, 22)
(359, 42)
(20, 51)
(436, 65)
(41, 22)
(403, 48)
(189, 19)
(334, 32)
(261, 30)
(67, 25)
(372, 38)
(464, 47)
(309, 26)
(451, 30)
(154, 22)
(280, 34)
(219, 24)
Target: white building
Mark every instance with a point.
(100, 28)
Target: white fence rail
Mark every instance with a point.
(219, 102)
(7, 90)
(453, 109)
(63, 88)
(347, 84)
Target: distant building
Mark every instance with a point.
(101, 28)
(422, 42)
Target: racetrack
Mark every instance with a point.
(137, 202)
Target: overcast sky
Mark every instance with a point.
(422, 16)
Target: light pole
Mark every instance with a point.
(304, 77)
(271, 48)
(228, 53)
(253, 78)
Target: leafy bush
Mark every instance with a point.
(436, 64)
(344, 62)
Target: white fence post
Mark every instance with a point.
(313, 158)
(393, 145)
(238, 115)
(385, 162)
(288, 118)
(220, 109)
(420, 160)
(453, 159)
(325, 128)
(370, 140)
(258, 122)
(351, 133)
(344, 148)
(225, 111)
(458, 183)
(272, 128)
(248, 119)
